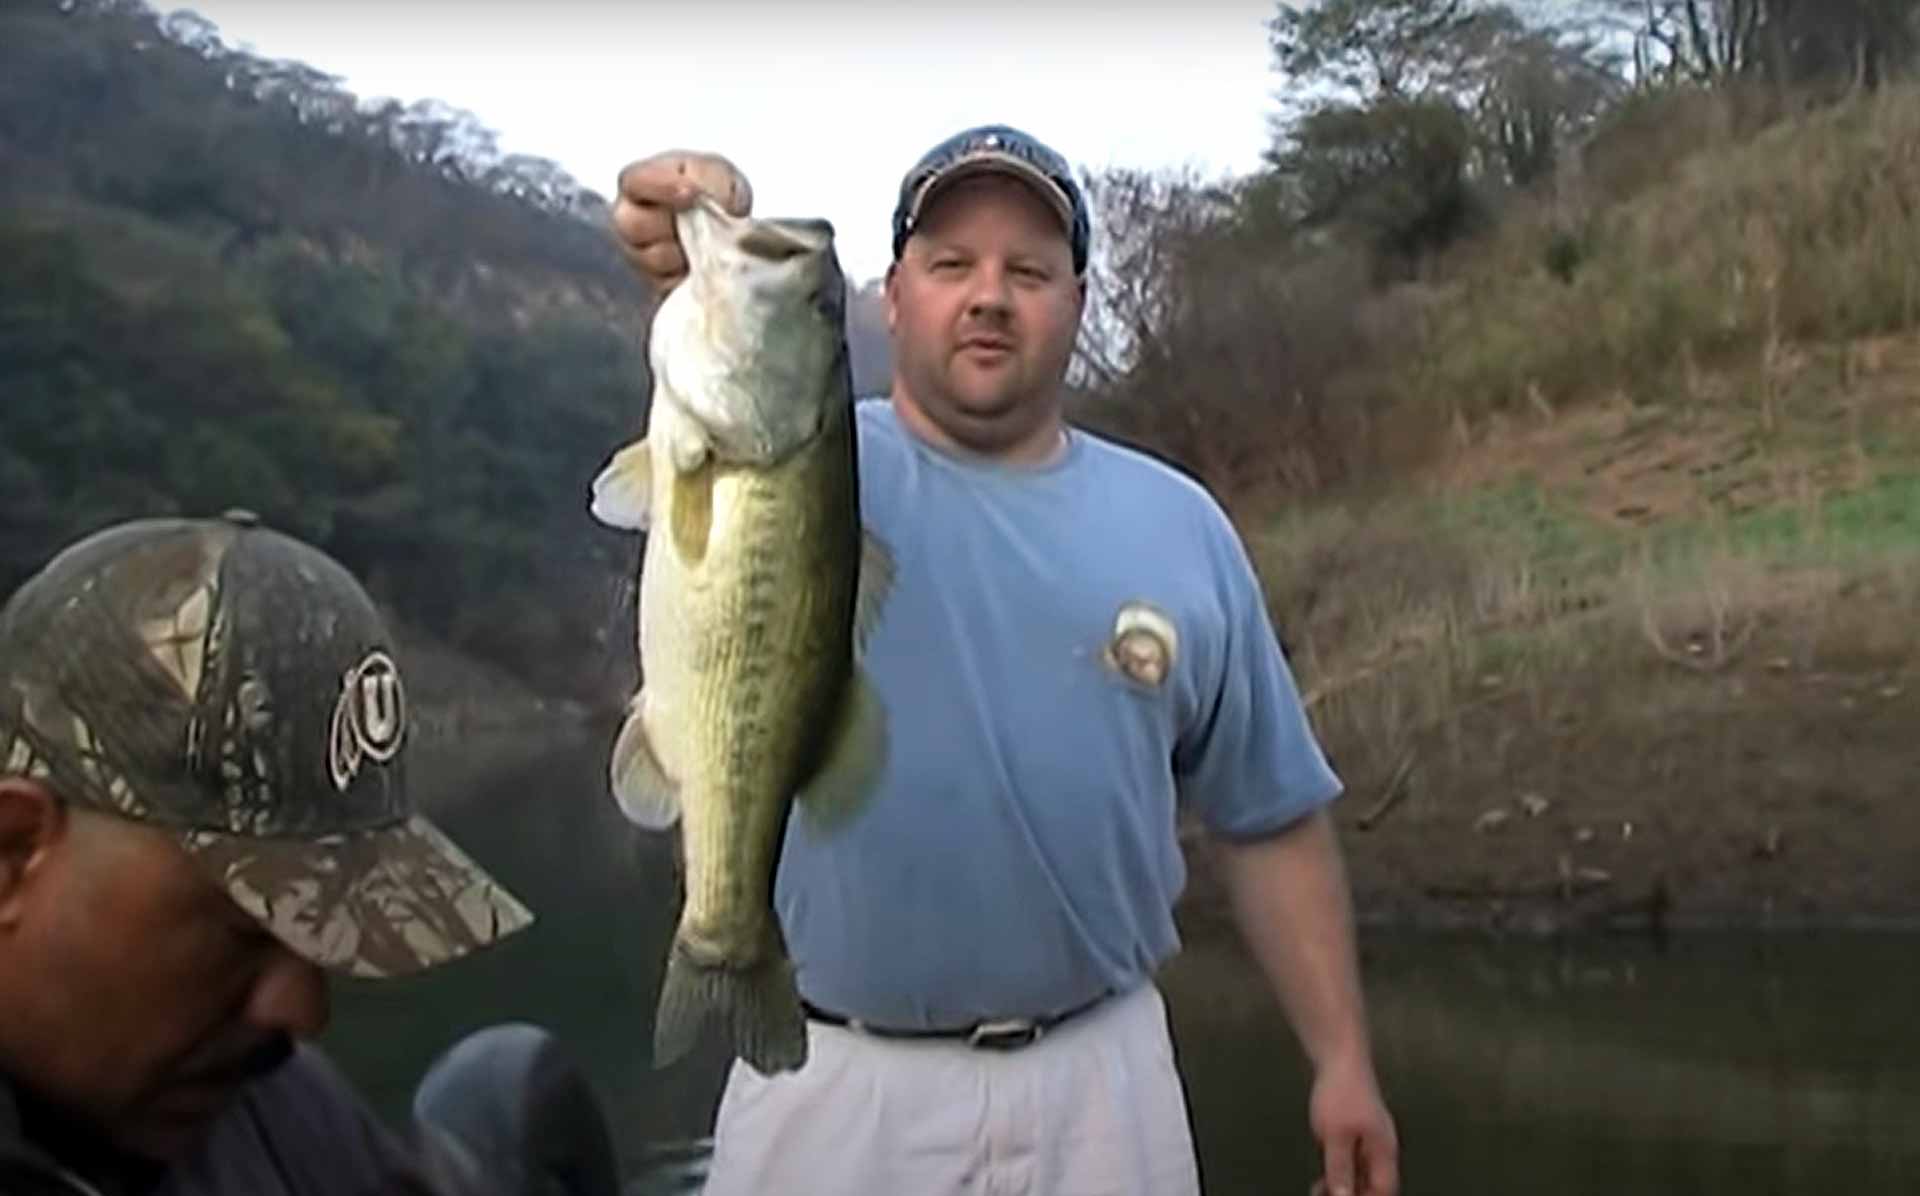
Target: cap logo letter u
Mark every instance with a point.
(369, 719)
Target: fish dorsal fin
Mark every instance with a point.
(856, 751)
(641, 787)
(874, 585)
(623, 491)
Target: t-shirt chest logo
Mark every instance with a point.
(369, 719)
(1144, 646)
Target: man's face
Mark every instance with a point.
(983, 307)
(141, 997)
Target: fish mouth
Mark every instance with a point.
(779, 240)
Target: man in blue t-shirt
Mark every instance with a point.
(1075, 647)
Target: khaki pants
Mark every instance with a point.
(1094, 1108)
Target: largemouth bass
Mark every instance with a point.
(756, 585)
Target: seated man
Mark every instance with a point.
(203, 807)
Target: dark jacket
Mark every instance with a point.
(300, 1131)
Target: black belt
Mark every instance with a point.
(1001, 1034)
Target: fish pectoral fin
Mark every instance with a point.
(641, 787)
(623, 492)
(855, 753)
(692, 515)
(874, 586)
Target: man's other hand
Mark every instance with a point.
(1356, 1133)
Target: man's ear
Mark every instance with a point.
(32, 821)
(886, 291)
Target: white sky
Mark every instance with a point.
(822, 105)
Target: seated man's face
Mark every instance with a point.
(145, 997)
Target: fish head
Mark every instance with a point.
(770, 302)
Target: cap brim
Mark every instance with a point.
(369, 903)
(990, 162)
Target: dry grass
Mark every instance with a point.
(1649, 545)
(1711, 432)
(1405, 620)
(1691, 263)
(1700, 252)
(1810, 231)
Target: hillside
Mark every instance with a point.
(230, 284)
(1633, 635)
(1574, 422)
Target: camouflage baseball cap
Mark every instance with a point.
(237, 687)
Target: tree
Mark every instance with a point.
(228, 283)
(1534, 87)
(1785, 42)
(1394, 172)
(1215, 335)
(1403, 112)
(1357, 50)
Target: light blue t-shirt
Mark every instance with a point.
(1019, 855)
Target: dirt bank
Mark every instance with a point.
(1628, 665)
(1770, 792)
(1766, 793)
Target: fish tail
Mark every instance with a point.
(757, 1006)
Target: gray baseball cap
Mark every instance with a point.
(237, 688)
(999, 149)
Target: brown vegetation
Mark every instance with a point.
(1594, 539)
(1664, 576)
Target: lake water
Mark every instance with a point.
(1743, 1065)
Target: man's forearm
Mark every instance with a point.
(1290, 898)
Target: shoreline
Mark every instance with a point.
(1206, 917)
(1808, 864)
(462, 741)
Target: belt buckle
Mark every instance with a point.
(1010, 1034)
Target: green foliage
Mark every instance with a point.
(1394, 171)
(1563, 254)
(1404, 115)
(219, 296)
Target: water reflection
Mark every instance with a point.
(1725, 1064)
(1721, 1064)
(589, 968)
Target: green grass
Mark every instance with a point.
(1419, 612)
(1521, 518)
(1875, 523)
